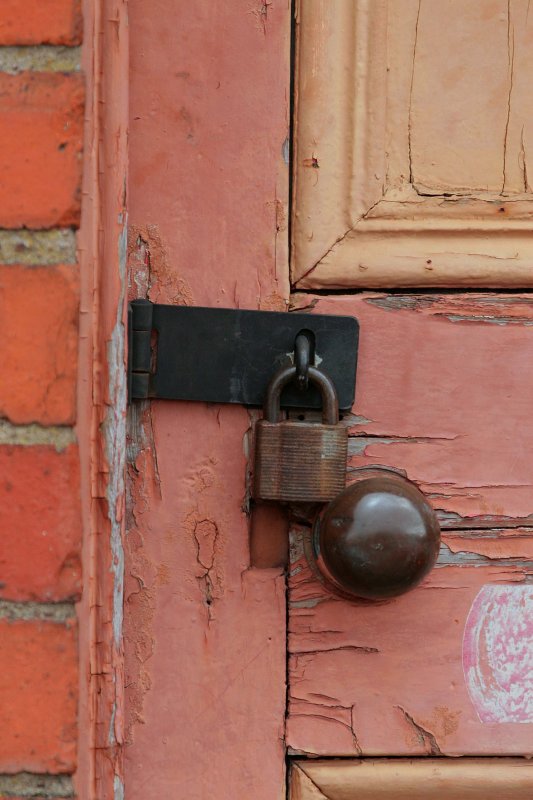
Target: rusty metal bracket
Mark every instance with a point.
(223, 355)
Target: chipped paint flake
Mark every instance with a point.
(115, 438)
(118, 787)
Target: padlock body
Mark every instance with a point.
(299, 461)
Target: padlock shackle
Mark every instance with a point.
(330, 400)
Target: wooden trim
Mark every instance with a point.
(102, 397)
(351, 130)
(301, 787)
(404, 779)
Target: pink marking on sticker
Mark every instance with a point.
(498, 654)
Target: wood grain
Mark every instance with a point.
(412, 136)
(430, 779)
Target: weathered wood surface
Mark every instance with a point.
(412, 140)
(101, 427)
(443, 396)
(430, 779)
(205, 631)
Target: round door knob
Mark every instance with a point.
(377, 539)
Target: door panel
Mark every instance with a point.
(413, 131)
(444, 393)
(443, 397)
(204, 630)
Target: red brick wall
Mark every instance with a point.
(41, 126)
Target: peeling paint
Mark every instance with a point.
(336, 714)
(305, 603)
(492, 309)
(114, 428)
(356, 648)
(150, 274)
(143, 576)
(118, 788)
(206, 537)
(422, 736)
(464, 558)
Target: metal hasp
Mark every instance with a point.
(223, 355)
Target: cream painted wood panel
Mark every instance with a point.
(414, 130)
(430, 779)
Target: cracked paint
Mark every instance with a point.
(150, 273)
(114, 428)
(433, 399)
(143, 575)
(205, 533)
(423, 737)
(428, 149)
(403, 684)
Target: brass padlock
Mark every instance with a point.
(300, 461)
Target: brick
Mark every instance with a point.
(39, 312)
(40, 520)
(44, 58)
(40, 22)
(35, 787)
(37, 248)
(41, 129)
(38, 696)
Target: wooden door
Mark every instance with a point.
(205, 644)
(411, 172)
(411, 211)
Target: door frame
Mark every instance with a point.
(102, 397)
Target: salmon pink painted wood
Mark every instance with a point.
(443, 396)
(444, 389)
(204, 631)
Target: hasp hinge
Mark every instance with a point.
(224, 355)
(140, 316)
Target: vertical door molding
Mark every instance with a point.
(205, 638)
(432, 779)
(102, 397)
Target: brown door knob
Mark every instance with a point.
(377, 539)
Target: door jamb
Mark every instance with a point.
(102, 398)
